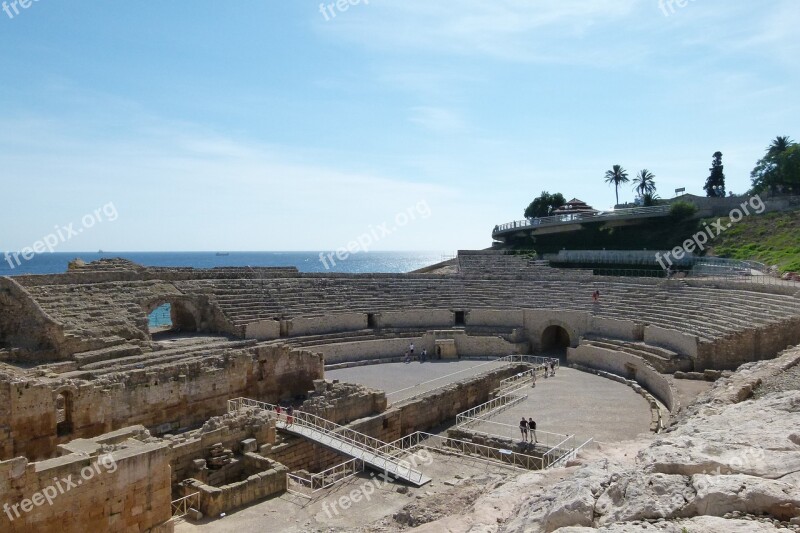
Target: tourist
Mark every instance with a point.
(532, 428)
(278, 411)
(411, 349)
(407, 358)
(596, 296)
(552, 368)
(533, 383)
(289, 416)
(523, 428)
(423, 356)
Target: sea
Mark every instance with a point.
(366, 262)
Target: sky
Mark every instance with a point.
(294, 125)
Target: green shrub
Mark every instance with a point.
(682, 210)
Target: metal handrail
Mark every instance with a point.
(468, 449)
(181, 506)
(580, 217)
(330, 477)
(355, 439)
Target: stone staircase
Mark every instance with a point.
(664, 360)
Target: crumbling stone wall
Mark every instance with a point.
(127, 491)
(164, 399)
(25, 329)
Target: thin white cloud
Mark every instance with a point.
(437, 119)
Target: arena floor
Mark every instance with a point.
(573, 402)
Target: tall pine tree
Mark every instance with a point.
(715, 184)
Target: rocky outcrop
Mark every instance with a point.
(731, 465)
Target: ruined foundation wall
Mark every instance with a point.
(25, 326)
(182, 396)
(132, 496)
(750, 345)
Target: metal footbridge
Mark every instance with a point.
(369, 450)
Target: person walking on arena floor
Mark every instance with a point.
(532, 429)
(523, 428)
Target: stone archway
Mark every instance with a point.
(555, 338)
(183, 315)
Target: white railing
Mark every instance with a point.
(568, 218)
(510, 359)
(327, 478)
(181, 506)
(492, 407)
(352, 439)
(469, 450)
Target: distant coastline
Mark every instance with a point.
(387, 262)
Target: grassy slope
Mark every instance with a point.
(773, 239)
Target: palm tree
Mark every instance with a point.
(645, 182)
(617, 175)
(779, 145)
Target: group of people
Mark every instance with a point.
(423, 356)
(528, 427)
(289, 414)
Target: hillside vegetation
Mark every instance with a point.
(773, 239)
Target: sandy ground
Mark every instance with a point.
(457, 482)
(401, 380)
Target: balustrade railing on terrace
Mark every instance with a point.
(533, 223)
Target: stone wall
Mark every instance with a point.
(263, 330)
(618, 329)
(342, 403)
(444, 404)
(628, 366)
(575, 323)
(749, 345)
(127, 490)
(297, 453)
(676, 341)
(333, 323)
(257, 486)
(416, 318)
(164, 399)
(24, 326)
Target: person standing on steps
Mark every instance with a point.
(523, 428)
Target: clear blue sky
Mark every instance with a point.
(262, 125)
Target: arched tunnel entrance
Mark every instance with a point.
(170, 317)
(555, 340)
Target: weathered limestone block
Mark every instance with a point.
(719, 495)
(632, 496)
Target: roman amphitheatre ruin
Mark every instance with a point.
(674, 406)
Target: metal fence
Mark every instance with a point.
(308, 486)
(571, 218)
(181, 506)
